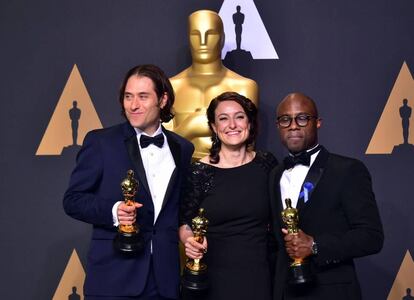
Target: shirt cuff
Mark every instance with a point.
(114, 213)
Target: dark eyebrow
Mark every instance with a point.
(284, 115)
(222, 114)
(298, 114)
(139, 94)
(236, 113)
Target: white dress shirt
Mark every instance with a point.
(159, 165)
(292, 180)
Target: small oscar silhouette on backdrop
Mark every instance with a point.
(195, 272)
(128, 240)
(299, 269)
(405, 148)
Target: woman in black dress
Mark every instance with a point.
(231, 184)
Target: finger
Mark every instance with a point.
(196, 244)
(125, 222)
(293, 250)
(198, 254)
(190, 247)
(193, 251)
(126, 214)
(297, 237)
(288, 237)
(288, 246)
(138, 205)
(126, 218)
(122, 213)
(193, 255)
(297, 241)
(126, 208)
(285, 231)
(303, 236)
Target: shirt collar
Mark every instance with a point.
(140, 132)
(312, 158)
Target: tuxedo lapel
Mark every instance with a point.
(176, 153)
(131, 144)
(313, 177)
(174, 147)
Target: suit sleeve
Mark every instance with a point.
(364, 234)
(81, 200)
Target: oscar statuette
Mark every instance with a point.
(299, 269)
(128, 240)
(195, 272)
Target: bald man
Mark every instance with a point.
(338, 214)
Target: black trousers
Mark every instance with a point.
(150, 291)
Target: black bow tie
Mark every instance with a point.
(146, 140)
(302, 158)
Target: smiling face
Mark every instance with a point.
(231, 124)
(206, 36)
(141, 104)
(296, 138)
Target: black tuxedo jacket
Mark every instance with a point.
(342, 217)
(102, 163)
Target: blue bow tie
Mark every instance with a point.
(146, 140)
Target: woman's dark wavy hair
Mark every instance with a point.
(162, 85)
(251, 112)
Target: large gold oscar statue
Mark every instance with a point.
(205, 79)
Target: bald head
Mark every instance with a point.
(299, 129)
(298, 98)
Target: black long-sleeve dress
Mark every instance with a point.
(237, 205)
